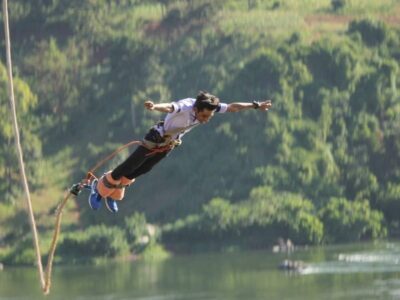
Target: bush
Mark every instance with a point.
(22, 253)
(290, 215)
(154, 252)
(95, 241)
(347, 221)
(389, 202)
(257, 222)
(373, 33)
(135, 227)
(338, 5)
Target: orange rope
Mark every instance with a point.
(89, 177)
(100, 163)
(160, 149)
(46, 288)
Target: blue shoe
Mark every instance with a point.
(94, 198)
(111, 205)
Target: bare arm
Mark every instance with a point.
(162, 107)
(238, 106)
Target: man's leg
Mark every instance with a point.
(138, 163)
(145, 167)
(106, 186)
(148, 164)
(108, 182)
(132, 163)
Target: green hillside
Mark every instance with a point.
(322, 166)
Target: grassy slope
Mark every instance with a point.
(314, 19)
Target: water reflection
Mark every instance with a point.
(342, 272)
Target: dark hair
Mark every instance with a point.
(207, 101)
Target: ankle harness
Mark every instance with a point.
(110, 185)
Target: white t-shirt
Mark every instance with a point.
(183, 119)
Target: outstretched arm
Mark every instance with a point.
(162, 107)
(238, 106)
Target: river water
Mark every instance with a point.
(357, 271)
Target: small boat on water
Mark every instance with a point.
(292, 265)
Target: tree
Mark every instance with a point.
(373, 33)
(261, 76)
(334, 65)
(26, 101)
(347, 221)
(58, 76)
(338, 5)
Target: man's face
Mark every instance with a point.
(204, 115)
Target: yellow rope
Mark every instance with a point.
(18, 144)
(45, 278)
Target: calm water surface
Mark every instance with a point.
(361, 271)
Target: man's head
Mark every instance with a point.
(205, 106)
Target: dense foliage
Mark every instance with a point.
(322, 165)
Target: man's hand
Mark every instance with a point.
(149, 105)
(265, 105)
(162, 107)
(259, 105)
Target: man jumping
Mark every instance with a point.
(182, 116)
